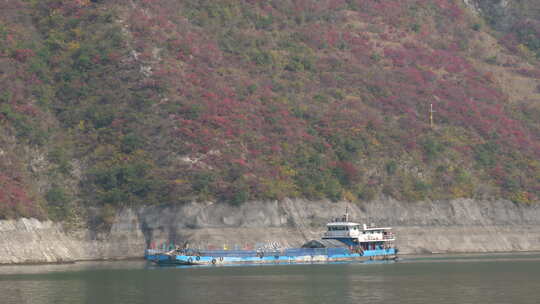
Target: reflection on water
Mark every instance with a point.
(429, 279)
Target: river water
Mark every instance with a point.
(500, 278)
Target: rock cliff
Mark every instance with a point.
(461, 225)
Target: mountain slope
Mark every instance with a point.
(162, 101)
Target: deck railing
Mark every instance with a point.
(293, 252)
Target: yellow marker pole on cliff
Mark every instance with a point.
(431, 124)
(431, 115)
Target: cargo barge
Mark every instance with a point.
(344, 240)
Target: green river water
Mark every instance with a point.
(496, 278)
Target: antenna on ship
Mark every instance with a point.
(347, 213)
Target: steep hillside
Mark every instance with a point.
(118, 103)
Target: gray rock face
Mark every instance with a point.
(461, 225)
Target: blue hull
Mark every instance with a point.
(296, 255)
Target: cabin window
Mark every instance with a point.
(338, 228)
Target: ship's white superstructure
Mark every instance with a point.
(355, 234)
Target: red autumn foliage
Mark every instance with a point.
(14, 200)
(22, 55)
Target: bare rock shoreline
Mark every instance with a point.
(457, 226)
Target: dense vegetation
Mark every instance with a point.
(119, 103)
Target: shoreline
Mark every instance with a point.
(74, 261)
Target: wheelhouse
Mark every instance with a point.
(354, 234)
